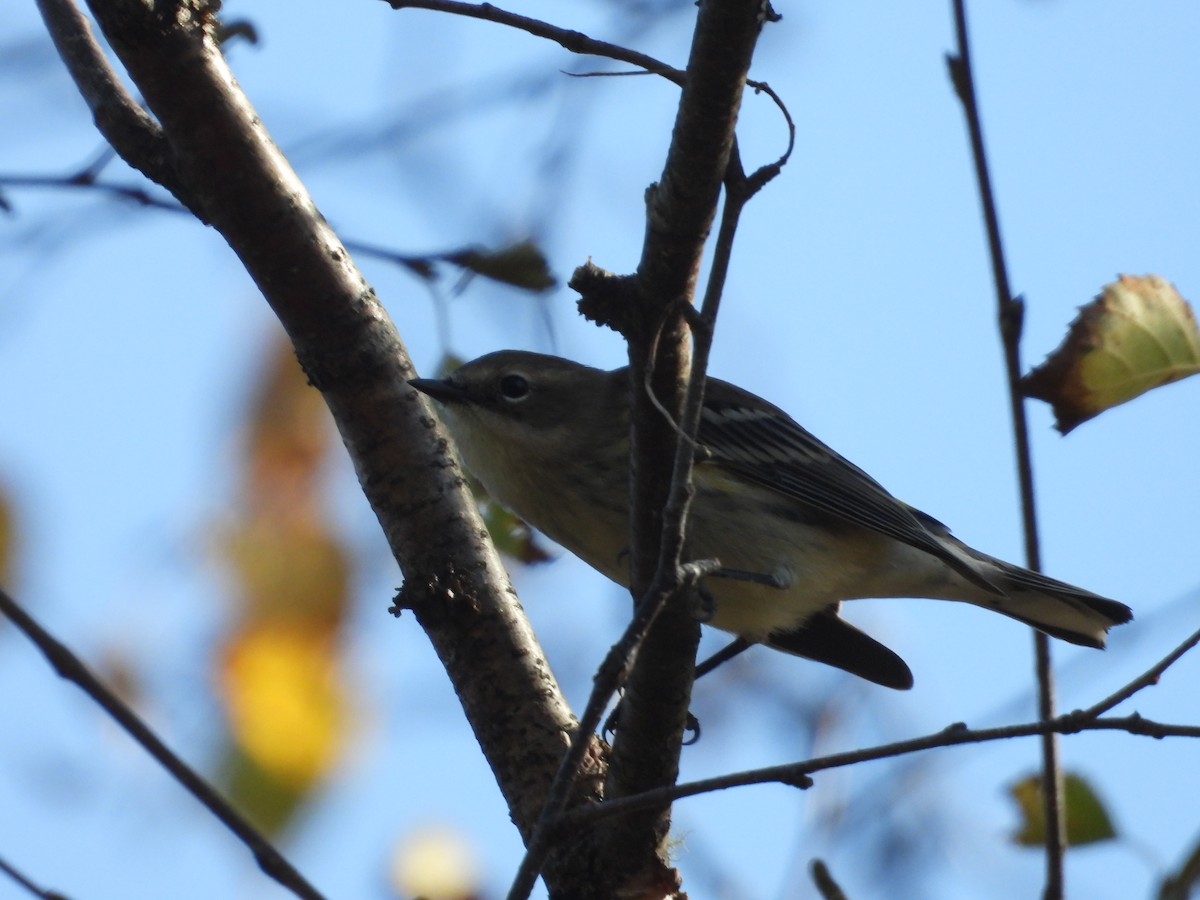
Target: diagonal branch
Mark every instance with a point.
(70, 667)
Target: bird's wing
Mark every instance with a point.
(749, 437)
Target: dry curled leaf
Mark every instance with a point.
(1137, 335)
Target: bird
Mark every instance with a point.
(796, 528)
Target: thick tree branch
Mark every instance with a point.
(679, 216)
(454, 582)
(651, 310)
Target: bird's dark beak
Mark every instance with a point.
(439, 389)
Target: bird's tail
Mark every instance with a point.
(1055, 607)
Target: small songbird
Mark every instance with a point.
(795, 527)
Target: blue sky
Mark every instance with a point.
(859, 300)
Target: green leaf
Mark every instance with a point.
(1139, 334)
(1087, 820)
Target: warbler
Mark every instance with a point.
(796, 528)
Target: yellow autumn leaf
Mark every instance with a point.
(285, 701)
(1137, 335)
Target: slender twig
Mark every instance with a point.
(118, 116)
(796, 774)
(1011, 313)
(70, 667)
(680, 211)
(125, 192)
(672, 576)
(575, 41)
(1145, 680)
(19, 878)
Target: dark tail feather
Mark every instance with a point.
(1061, 610)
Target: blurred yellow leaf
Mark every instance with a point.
(1087, 819)
(1137, 335)
(285, 700)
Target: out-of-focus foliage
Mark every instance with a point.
(521, 265)
(435, 863)
(1088, 821)
(278, 673)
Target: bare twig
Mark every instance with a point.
(25, 883)
(118, 116)
(681, 208)
(1010, 311)
(130, 193)
(797, 774)
(70, 667)
(575, 41)
(1145, 680)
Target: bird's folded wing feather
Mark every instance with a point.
(762, 444)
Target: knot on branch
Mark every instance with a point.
(604, 298)
(434, 595)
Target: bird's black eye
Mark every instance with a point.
(514, 387)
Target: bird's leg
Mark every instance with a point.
(782, 578)
(726, 653)
(706, 607)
